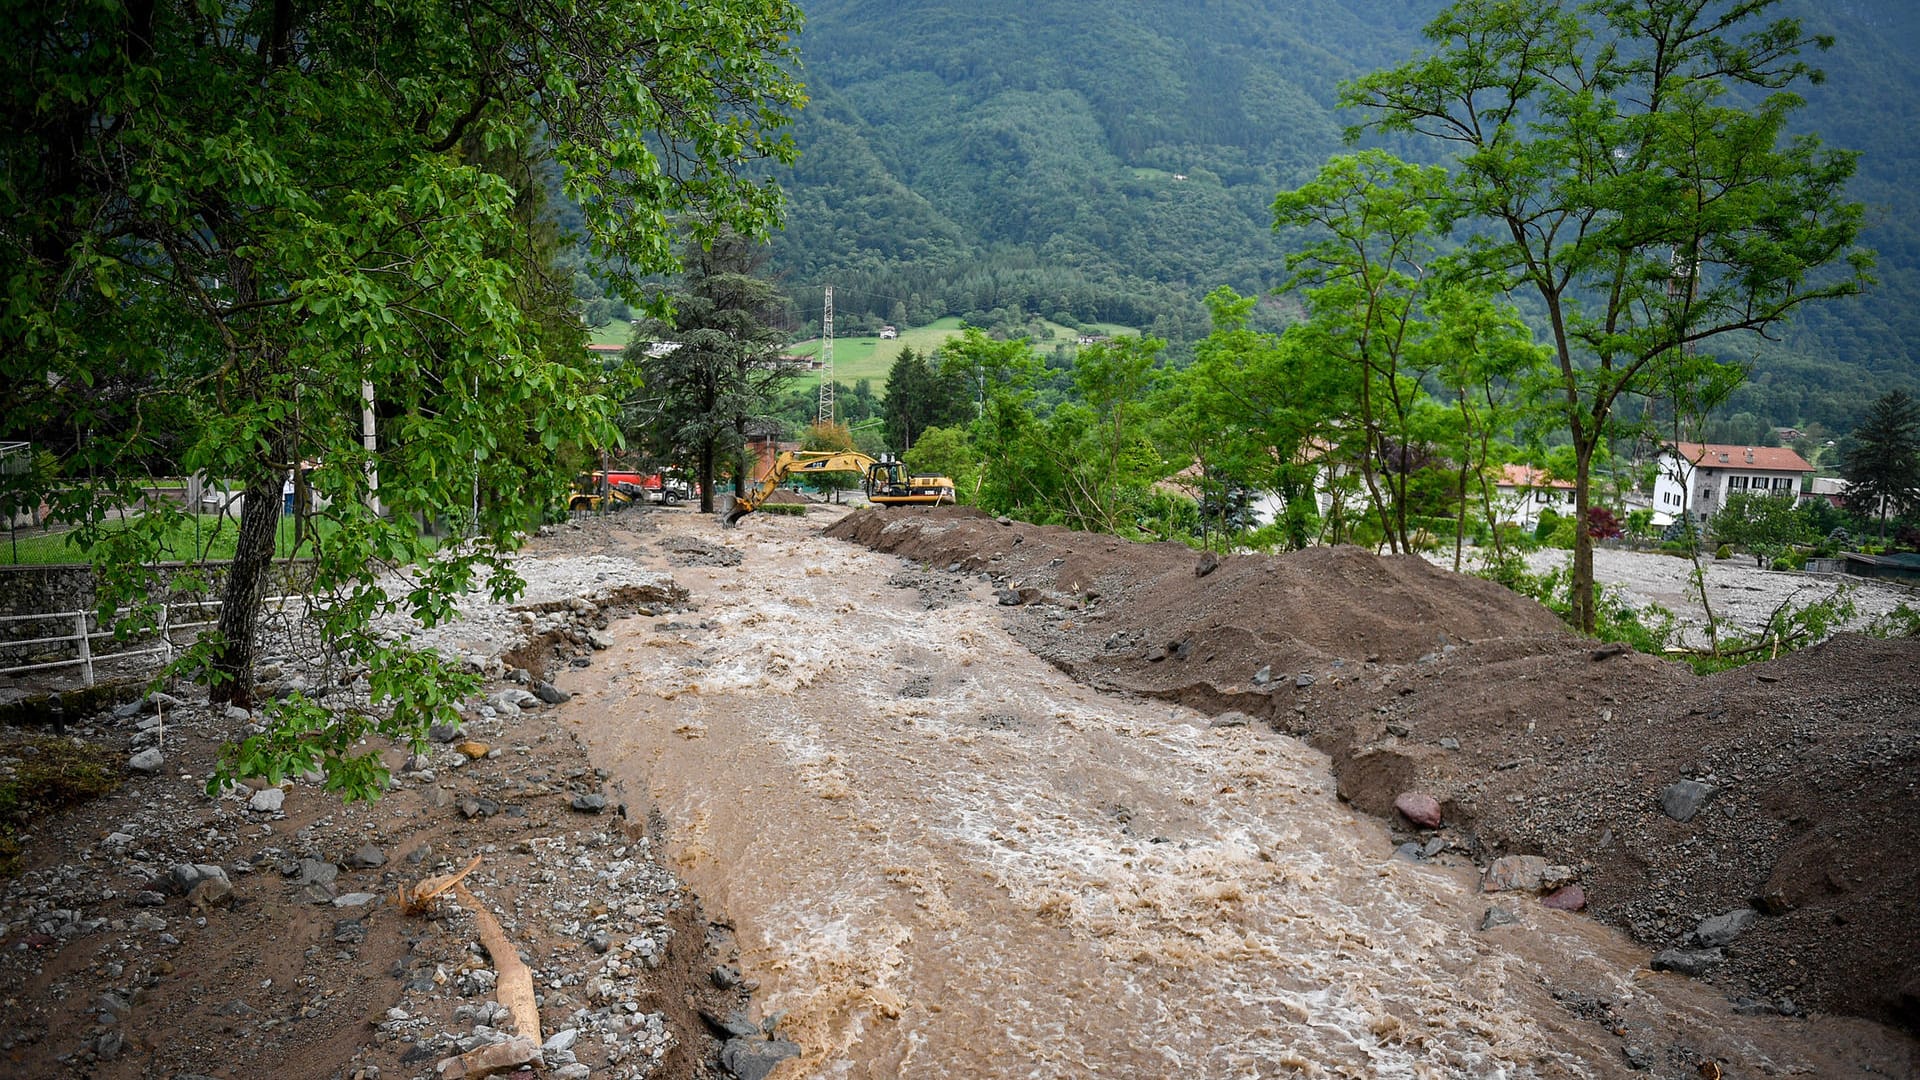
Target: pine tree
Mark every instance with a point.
(1882, 466)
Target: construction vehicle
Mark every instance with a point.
(887, 483)
(603, 491)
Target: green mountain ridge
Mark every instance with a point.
(1008, 161)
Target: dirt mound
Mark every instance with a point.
(1533, 740)
(788, 498)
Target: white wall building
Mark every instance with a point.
(1697, 478)
(1522, 491)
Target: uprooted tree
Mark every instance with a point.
(234, 230)
(1605, 152)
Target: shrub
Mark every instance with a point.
(1724, 551)
(1549, 521)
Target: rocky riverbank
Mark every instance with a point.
(161, 932)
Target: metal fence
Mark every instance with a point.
(85, 634)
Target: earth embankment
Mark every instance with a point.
(1802, 773)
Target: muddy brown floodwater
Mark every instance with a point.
(944, 858)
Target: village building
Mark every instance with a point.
(1697, 478)
(1521, 492)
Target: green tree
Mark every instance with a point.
(948, 452)
(710, 370)
(1767, 526)
(233, 229)
(1254, 411)
(1365, 272)
(920, 396)
(1600, 147)
(1882, 462)
(1484, 355)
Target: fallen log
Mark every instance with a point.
(514, 988)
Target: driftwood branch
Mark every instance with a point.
(514, 989)
(414, 901)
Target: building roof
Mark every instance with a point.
(1526, 476)
(1764, 458)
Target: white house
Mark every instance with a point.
(1697, 478)
(1522, 491)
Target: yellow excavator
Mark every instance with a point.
(887, 483)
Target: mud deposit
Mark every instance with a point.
(1093, 845)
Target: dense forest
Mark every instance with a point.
(1013, 161)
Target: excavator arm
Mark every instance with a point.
(795, 462)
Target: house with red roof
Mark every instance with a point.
(1697, 478)
(1522, 491)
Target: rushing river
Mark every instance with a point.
(943, 858)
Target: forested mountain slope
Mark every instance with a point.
(1010, 158)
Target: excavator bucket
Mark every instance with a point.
(738, 511)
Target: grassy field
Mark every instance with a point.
(867, 357)
(215, 539)
(616, 332)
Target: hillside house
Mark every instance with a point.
(1697, 478)
(1521, 492)
(888, 333)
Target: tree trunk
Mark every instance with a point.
(1583, 613)
(245, 592)
(706, 477)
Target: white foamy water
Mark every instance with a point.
(944, 858)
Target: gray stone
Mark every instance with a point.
(354, 899)
(726, 977)
(1231, 719)
(550, 693)
(1303, 680)
(1263, 676)
(600, 942)
(367, 858)
(754, 1059)
(1498, 916)
(237, 714)
(444, 733)
(1516, 873)
(1684, 798)
(182, 877)
(1209, 562)
(147, 761)
(267, 800)
(209, 893)
(1686, 961)
(315, 872)
(600, 640)
(113, 1040)
(560, 1040)
(1721, 929)
(589, 804)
